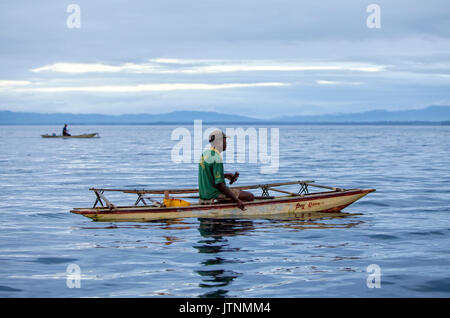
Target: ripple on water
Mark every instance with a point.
(9, 289)
(383, 236)
(54, 260)
(434, 285)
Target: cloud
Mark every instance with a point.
(164, 66)
(325, 82)
(173, 61)
(145, 87)
(12, 83)
(274, 67)
(81, 68)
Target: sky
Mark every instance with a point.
(259, 58)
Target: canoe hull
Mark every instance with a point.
(306, 206)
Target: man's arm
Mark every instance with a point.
(225, 190)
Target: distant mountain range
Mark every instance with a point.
(8, 117)
(431, 114)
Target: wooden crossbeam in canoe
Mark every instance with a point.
(100, 197)
(143, 194)
(195, 190)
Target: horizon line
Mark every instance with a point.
(216, 112)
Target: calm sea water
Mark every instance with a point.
(403, 227)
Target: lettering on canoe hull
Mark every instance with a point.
(308, 205)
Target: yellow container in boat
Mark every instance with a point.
(175, 202)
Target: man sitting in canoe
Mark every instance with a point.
(211, 176)
(65, 131)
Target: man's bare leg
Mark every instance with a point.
(246, 196)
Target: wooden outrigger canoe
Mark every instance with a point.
(302, 204)
(73, 136)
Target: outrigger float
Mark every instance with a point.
(302, 204)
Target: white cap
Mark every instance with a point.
(216, 135)
(216, 139)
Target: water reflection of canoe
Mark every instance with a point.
(73, 136)
(302, 204)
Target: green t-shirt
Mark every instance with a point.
(210, 173)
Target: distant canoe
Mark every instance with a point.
(73, 136)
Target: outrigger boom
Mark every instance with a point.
(302, 203)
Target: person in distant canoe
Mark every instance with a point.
(211, 176)
(65, 131)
